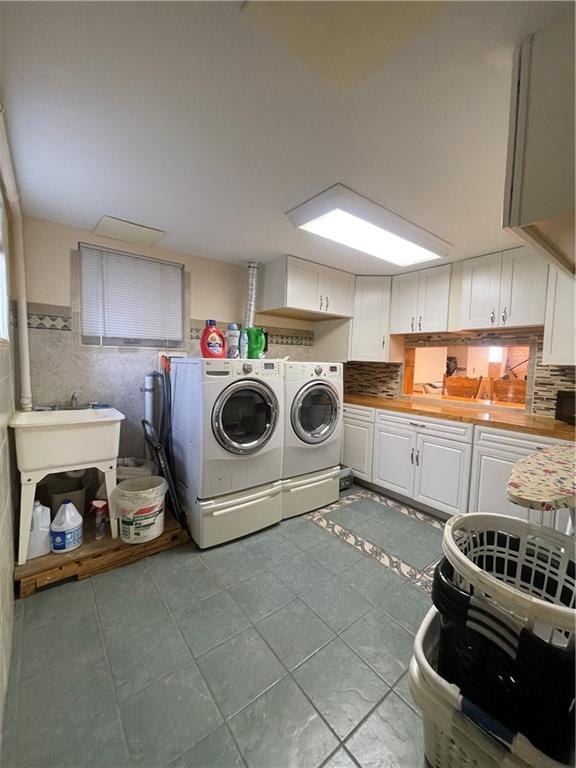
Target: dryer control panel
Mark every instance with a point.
(303, 371)
(260, 369)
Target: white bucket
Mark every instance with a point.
(140, 508)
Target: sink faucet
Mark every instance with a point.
(74, 400)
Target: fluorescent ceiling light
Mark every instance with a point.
(341, 215)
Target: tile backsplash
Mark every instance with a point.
(60, 366)
(385, 379)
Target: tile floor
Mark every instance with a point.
(286, 649)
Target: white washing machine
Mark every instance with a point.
(313, 394)
(227, 426)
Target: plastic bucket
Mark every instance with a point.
(140, 508)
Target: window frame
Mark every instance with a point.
(117, 343)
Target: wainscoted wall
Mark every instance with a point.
(543, 381)
(61, 365)
(6, 525)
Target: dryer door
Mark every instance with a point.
(315, 411)
(244, 416)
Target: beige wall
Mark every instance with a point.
(217, 289)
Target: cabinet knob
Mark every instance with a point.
(504, 316)
(492, 316)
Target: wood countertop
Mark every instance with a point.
(516, 421)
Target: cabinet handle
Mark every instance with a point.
(417, 458)
(420, 323)
(327, 302)
(412, 456)
(412, 323)
(321, 301)
(415, 424)
(383, 341)
(504, 316)
(492, 317)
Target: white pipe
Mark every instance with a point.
(16, 227)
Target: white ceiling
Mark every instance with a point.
(195, 118)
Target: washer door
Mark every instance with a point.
(315, 412)
(244, 416)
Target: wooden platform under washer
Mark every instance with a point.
(92, 557)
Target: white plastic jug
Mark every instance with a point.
(66, 528)
(39, 542)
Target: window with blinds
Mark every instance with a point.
(130, 300)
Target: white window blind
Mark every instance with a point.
(129, 299)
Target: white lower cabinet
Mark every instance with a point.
(495, 453)
(393, 461)
(427, 460)
(442, 473)
(357, 441)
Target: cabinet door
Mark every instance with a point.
(303, 288)
(523, 288)
(559, 338)
(336, 292)
(433, 298)
(490, 473)
(393, 459)
(370, 323)
(442, 473)
(481, 291)
(357, 454)
(404, 303)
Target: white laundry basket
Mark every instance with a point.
(140, 508)
(524, 568)
(457, 734)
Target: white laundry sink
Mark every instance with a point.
(50, 439)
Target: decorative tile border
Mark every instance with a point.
(285, 336)
(420, 578)
(45, 317)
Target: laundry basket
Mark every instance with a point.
(456, 733)
(523, 681)
(527, 569)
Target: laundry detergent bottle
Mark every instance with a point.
(213, 343)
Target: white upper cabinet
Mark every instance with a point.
(370, 340)
(503, 289)
(539, 194)
(481, 291)
(523, 288)
(336, 292)
(302, 285)
(298, 288)
(559, 336)
(404, 305)
(433, 299)
(420, 301)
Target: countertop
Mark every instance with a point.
(517, 421)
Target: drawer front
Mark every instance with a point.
(504, 439)
(454, 430)
(358, 413)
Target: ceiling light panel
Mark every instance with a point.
(345, 217)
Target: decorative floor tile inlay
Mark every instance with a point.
(384, 555)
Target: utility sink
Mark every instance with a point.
(49, 439)
(59, 441)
